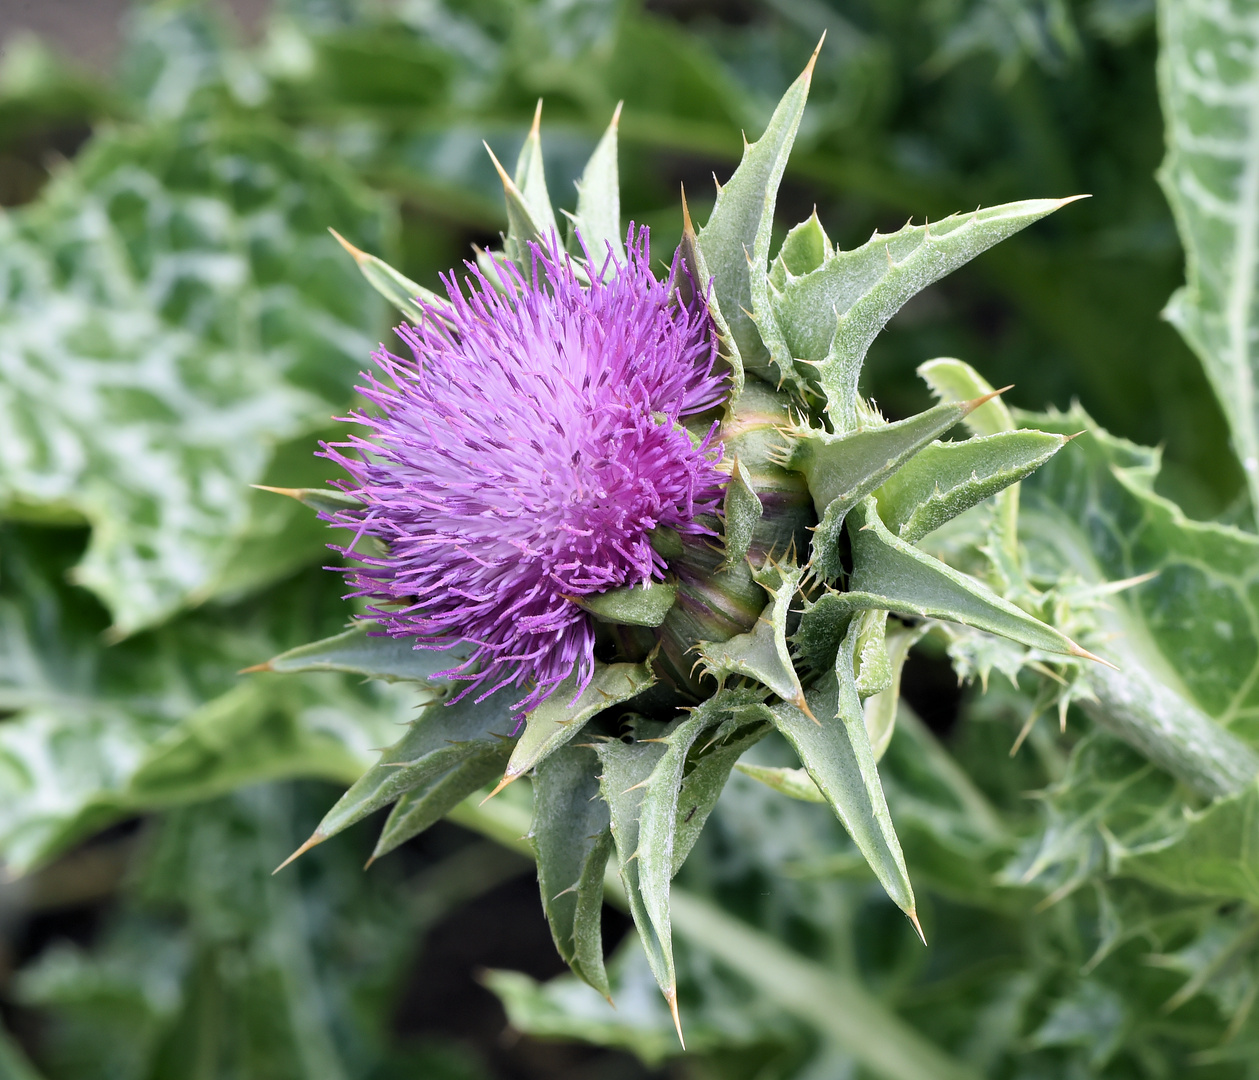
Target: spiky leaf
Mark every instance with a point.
(441, 739)
(734, 244)
(945, 478)
(627, 766)
(762, 653)
(742, 511)
(424, 806)
(598, 216)
(559, 717)
(843, 469)
(831, 315)
(572, 839)
(803, 250)
(835, 751)
(794, 783)
(891, 575)
(956, 380)
(365, 650)
(401, 292)
(880, 710)
(530, 180)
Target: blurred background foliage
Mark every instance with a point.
(175, 324)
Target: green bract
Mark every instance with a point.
(786, 627)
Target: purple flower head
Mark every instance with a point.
(522, 454)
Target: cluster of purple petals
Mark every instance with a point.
(520, 455)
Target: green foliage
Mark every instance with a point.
(179, 277)
(1061, 928)
(94, 735)
(215, 964)
(1206, 70)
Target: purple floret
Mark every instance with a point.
(522, 455)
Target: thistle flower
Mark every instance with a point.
(521, 455)
(527, 465)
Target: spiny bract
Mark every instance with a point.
(544, 510)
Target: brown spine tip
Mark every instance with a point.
(315, 838)
(803, 706)
(292, 493)
(974, 403)
(688, 227)
(508, 777)
(255, 668)
(355, 253)
(671, 996)
(913, 918)
(1075, 650)
(535, 128)
(508, 183)
(808, 68)
(615, 124)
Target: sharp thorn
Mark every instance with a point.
(808, 68)
(535, 129)
(292, 493)
(913, 918)
(974, 403)
(803, 706)
(615, 124)
(315, 838)
(507, 779)
(508, 183)
(1075, 650)
(256, 667)
(671, 996)
(355, 253)
(688, 227)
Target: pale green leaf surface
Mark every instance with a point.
(1215, 853)
(627, 766)
(654, 855)
(708, 772)
(794, 783)
(803, 250)
(181, 280)
(872, 666)
(946, 478)
(1208, 68)
(530, 179)
(572, 841)
(881, 710)
(559, 717)
(598, 216)
(1187, 640)
(96, 733)
(892, 575)
(365, 650)
(400, 291)
(956, 380)
(631, 605)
